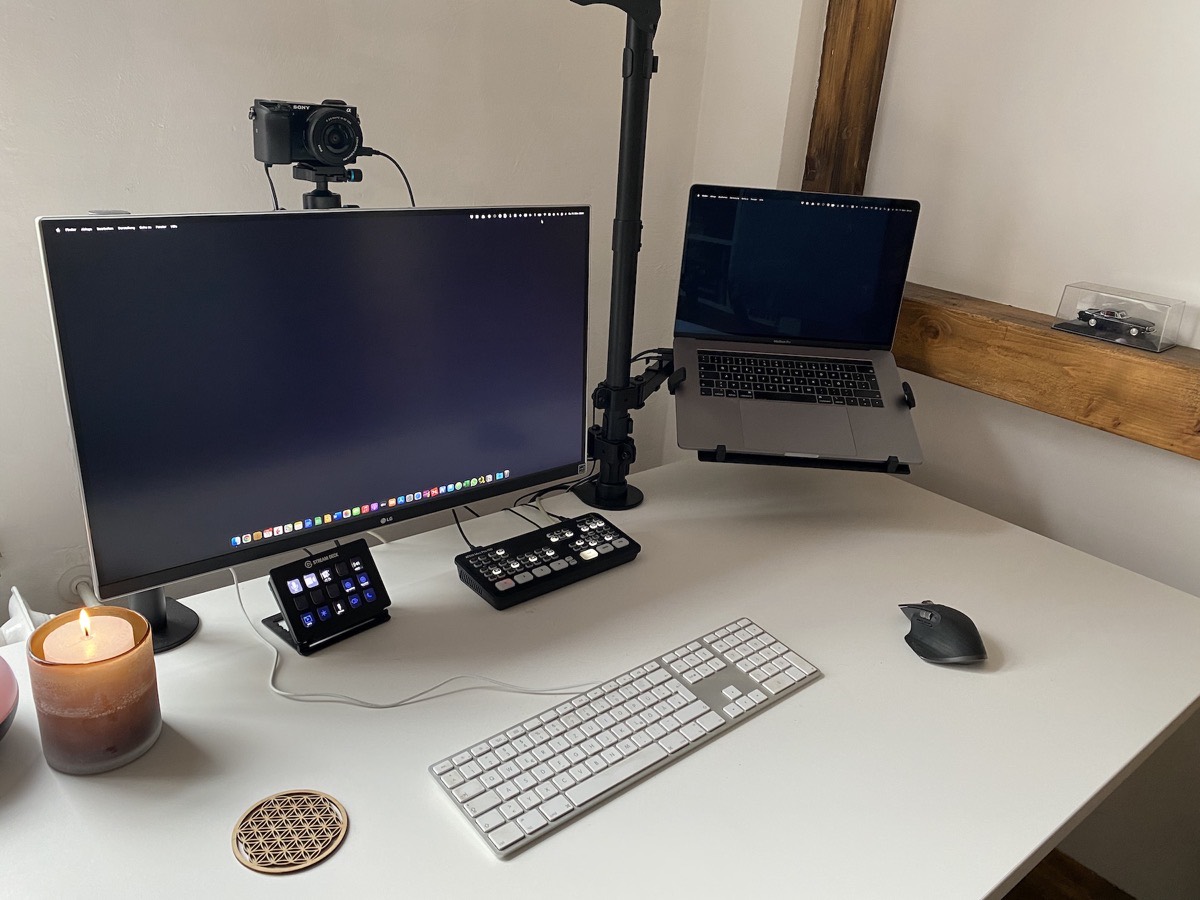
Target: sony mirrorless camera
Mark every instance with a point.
(323, 134)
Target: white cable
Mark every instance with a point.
(538, 504)
(427, 694)
(85, 592)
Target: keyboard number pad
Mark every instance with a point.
(770, 664)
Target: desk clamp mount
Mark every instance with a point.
(617, 453)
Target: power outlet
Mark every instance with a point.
(68, 582)
(75, 565)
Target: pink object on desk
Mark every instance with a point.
(8, 697)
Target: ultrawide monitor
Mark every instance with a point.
(244, 384)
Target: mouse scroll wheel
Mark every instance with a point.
(929, 617)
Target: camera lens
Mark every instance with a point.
(333, 136)
(337, 138)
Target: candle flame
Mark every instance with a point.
(85, 623)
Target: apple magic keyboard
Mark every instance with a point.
(527, 781)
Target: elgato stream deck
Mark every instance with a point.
(328, 597)
(526, 566)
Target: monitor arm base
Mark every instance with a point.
(616, 455)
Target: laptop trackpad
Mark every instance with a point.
(779, 427)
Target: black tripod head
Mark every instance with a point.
(321, 197)
(645, 13)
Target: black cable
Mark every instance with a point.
(454, 512)
(271, 182)
(371, 151)
(543, 510)
(534, 496)
(656, 353)
(471, 511)
(525, 517)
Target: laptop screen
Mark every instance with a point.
(787, 267)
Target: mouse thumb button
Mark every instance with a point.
(920, 613)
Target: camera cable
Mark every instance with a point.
(271, 182)
(371, 151)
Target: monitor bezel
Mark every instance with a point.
(333, 531)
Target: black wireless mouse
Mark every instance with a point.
(942, 634)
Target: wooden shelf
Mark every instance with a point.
(1014, 354)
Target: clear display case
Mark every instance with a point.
(1145, 321)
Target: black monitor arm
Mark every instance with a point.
(612, 442)
(645, 13)
(616, 456)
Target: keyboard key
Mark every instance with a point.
(529, 800)
(616, 775)
(467, 790)
(673, 742)
(486, 801)
(505, 836)
(691, 711)
(777, 683)
(490, 820)
(556, 807)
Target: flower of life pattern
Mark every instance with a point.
(289, 831)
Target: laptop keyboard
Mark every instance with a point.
(799, 379)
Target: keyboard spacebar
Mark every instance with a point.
(616, 774)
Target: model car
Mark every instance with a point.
(1109, 318)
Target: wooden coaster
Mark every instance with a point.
(289, 831)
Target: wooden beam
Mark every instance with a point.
(853, 57)
(1014, 354)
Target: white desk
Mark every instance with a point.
(889, 777)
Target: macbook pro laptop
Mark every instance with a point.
(787, 308)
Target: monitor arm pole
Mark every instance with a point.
(611, 443)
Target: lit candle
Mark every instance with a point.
(95, 690)
(96, 639)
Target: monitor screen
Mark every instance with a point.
(244, 384)
(793, 267)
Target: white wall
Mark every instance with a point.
(742, 119)
(142, 106)
(1052, 143)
